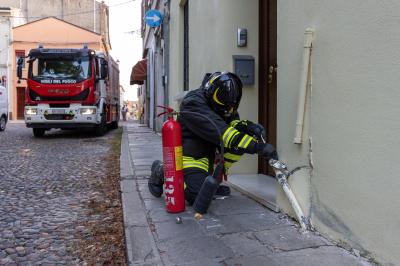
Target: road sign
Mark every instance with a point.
(153, 18)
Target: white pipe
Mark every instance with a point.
(308, 39)
(302, 219)
(10, 78)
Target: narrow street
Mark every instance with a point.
(58, 203)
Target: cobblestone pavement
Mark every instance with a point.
(45, 188)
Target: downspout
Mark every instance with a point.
(10, 81)
(166, 52)
(282, 174)
(308, 39)
(94, 15)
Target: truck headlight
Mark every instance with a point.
(31, 111)
(88, 111)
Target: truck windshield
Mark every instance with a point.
(60, 68)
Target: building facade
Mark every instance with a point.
(9, 18)
(325, 88)
(89, 14)
(154, 91)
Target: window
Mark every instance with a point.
(186, 46)
(20, 54)
(72, 68)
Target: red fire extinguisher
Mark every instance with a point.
(173, 163)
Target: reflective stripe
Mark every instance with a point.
(215, 97)
(245, 141)
(227, 165)
(188, 158)
(234, 123)
(233, 157)
(190, 162)
(228, 135)
(248, 142)
(233, 137)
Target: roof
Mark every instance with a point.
(82, 28)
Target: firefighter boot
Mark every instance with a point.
(156, 180)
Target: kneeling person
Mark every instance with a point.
(217, 101)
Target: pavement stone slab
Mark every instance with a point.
(169, 230)
(195, 250)
(325, 255)
(289, 238)
(244, 244)
(236, 204)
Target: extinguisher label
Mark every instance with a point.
(178, 158)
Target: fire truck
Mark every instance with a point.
(70, 89)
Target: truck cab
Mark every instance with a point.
(3, 108)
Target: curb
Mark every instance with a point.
(140, 245)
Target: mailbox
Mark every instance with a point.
(243, 67)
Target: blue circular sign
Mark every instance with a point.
(153, 18)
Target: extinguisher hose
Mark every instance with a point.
(211, 183)
(215, 126)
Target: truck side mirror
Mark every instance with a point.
(19, 67)
(19, 72)
(104, 69)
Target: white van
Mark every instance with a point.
(3, 108)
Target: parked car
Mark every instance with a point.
(3, 108)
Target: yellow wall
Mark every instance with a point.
(52, 33)
(352, 120)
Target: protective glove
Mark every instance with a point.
(250, 128)
(267, 151)
(256, 130)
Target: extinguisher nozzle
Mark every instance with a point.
(198, 216)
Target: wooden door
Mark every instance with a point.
(267, 73)
(20, 102)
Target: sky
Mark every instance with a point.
(126, 42)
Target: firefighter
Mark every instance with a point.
(217, 100)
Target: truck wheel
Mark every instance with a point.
(38, 132)
(101, 128)
(3, 122)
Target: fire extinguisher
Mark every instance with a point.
(173, 163)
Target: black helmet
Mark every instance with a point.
(223, 92)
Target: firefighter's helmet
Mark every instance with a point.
(223, 91)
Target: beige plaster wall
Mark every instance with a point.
(352, 118)
(175, 53)
(212, 42)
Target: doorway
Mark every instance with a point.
(20, 102)
(267, 100)
(262, 186)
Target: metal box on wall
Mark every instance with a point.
(243, 66)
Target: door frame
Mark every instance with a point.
(18, 116)
(267, 89)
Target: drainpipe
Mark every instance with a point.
(282, 174)
(10, 80)
(308, 39)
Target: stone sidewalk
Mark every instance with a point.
(236, 231)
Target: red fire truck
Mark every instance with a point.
(70, 89)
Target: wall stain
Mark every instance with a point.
(328, 217)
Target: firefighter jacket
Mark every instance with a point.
(202, 130)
